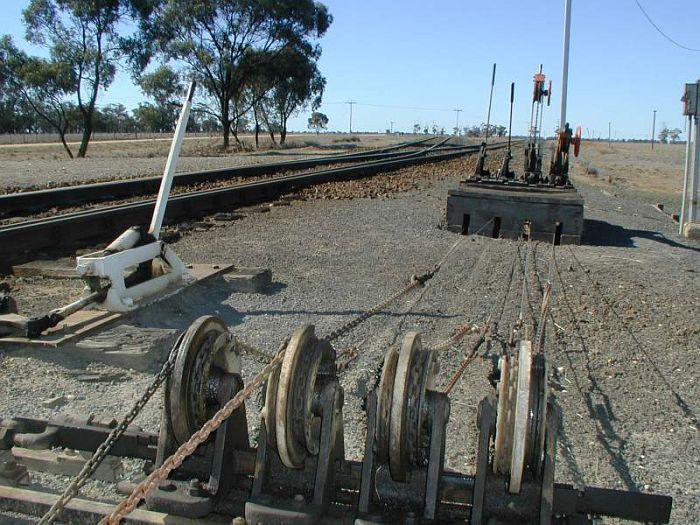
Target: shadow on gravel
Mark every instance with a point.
(601, 233)
(181, 310)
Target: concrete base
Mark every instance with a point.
(516, 211)
(249, 280)
(691, 230)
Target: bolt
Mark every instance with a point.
(299, 498)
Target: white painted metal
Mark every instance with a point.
(686, 174)
(122, 256)
(115, 266)
(694, 179)
(565, 63)
(170, 165)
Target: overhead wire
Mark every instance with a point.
(661, 31)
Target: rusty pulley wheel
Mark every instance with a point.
(296, 425)
(416, 370)
(204, 355)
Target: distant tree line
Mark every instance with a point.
(255, 62)
(493, 130)
(671, 136)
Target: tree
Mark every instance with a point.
(114, 118)
(472, 131)
(501, 131)
(318, 121)
(674, 134)
(296, 82)
(83, 37)
(663, 135)
(164, 86)
(455, 131)
(416, 128)
(44, 85)
(220, 42)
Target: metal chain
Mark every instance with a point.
(469, 357)
(187, 449)
(416, 281)
(103, 450)
(251, 350)
(459, 334)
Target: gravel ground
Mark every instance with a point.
(37, 174)
(621, 356)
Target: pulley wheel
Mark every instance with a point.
(384, 402)
(268, 411)
(538, 414)
(204, 355)
(415, 373)
(501, 449)
(521, 415)
(297, 428)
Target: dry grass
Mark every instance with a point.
(202, 146)
(632, 166)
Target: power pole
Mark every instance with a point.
(351, 103)
(391, 128)
(457, 125)
(653, 130)
(565, 62)
(609, 145)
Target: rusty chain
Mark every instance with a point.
(103, 450)
(186, 449)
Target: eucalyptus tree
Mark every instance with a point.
(44, 85)
(87, 38)
(297, 82)
(220, 43)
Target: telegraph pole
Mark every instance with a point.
(457, 124)
(391, 127)
(653, 130)
(351, 103)
(609, 145)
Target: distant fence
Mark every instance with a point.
(37, 138)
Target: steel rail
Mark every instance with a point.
(21, 241)
(32, 201)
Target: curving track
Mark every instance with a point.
(21, 241)
(26, 202)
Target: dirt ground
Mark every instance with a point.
(622, 346)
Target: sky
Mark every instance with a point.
(411, 61)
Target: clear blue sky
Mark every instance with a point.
(438, 55)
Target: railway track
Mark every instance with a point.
(60, 234)
(27, 202)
